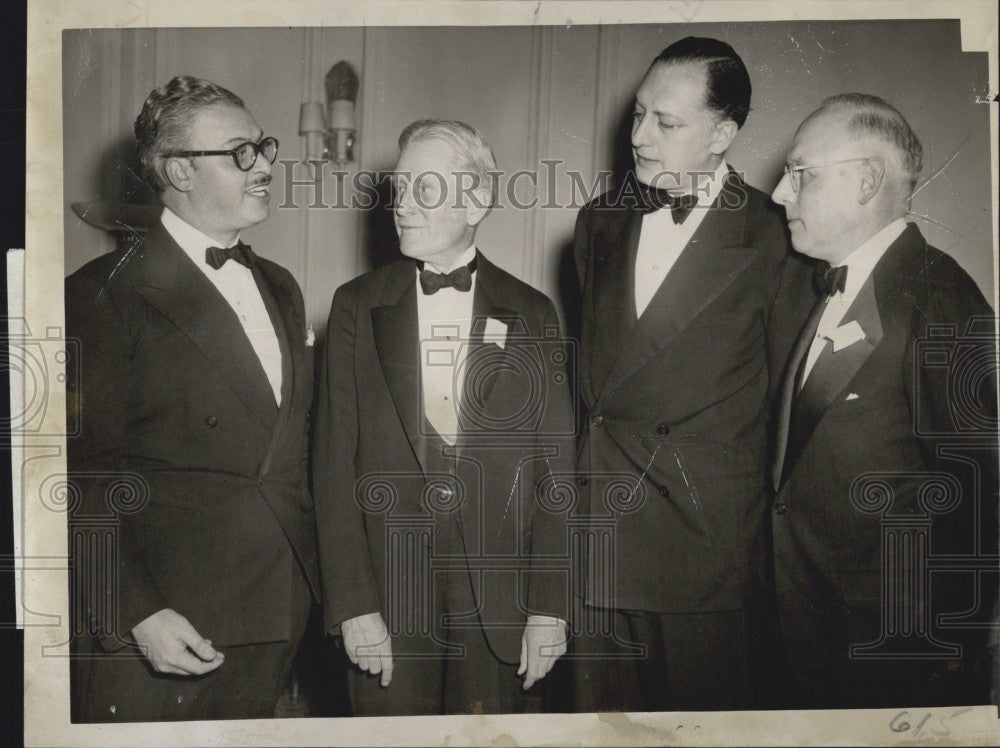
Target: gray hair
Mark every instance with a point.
(875, 117)
(474, 154)
(165, 120)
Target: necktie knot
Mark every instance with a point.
(654, 199)
(216, 257)
(830, 280)
(460, 279)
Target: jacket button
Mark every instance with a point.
(597, 420)
(780, 508)
(420, 507)
(211, 422)
(663, 429)
(582, 480)
(664, 491)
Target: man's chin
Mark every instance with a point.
(657, 179)
(258, 213)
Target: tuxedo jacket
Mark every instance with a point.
(376, 477)
(897, 427)
(675, 433)
(183, 454)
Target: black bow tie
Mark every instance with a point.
(217, 256)
(460, 278)
(655, 199)
(829, 280)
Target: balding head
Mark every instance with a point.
(875, 122)
(851, 171)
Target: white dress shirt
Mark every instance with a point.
(860, 264)
(445, 323)
(661, 241)
(237, 286)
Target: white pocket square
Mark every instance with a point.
(495, 332)
(852, 396)
(845, 335)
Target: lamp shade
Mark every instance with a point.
(311, 119)
(342, 115)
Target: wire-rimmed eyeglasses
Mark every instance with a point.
(244, 155)
(794, 173)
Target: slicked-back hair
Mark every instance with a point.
(474, 155)
(727, 85)
(877, 118)
(165, 120)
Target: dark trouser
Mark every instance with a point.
(890, 684)
(449, 669)
(442, 662)
(887, 681)
(687, 662)
(473, 682)
(113, 688)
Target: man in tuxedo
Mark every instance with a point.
(443, 431)
(191, 531)
(678, 287)
(885, 519)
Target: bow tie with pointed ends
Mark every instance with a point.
(216, 257)
(460, 278)
(654, 199)
(828, 279)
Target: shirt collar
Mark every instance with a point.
(862, 261)
(191, 240)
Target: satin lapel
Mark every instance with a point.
(831, 375)
(485, 360)
(396, 332)
(169, 281)
(289, 328)
(709, 263)
(613, 313)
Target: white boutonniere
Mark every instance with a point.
(310, 337)
(495, 332)
(845, 335)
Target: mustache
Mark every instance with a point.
(263, 179)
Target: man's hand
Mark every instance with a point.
(543, 642)
(171, 645)
(366, 641)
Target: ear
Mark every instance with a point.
(725, 131)
(872, 174)
(178, 172)
(477, 209)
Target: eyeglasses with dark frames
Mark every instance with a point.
(794, 173)
(244, 155)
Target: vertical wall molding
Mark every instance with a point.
(607, 85)
(370, 130)
(161, 61)
(539, 117)
(312, 46)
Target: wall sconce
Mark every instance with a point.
(330, 135)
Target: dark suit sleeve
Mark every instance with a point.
(581, 245)
(952, 393)
(548, 591)
(349, 583)
(951, 387)
(99, 387)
